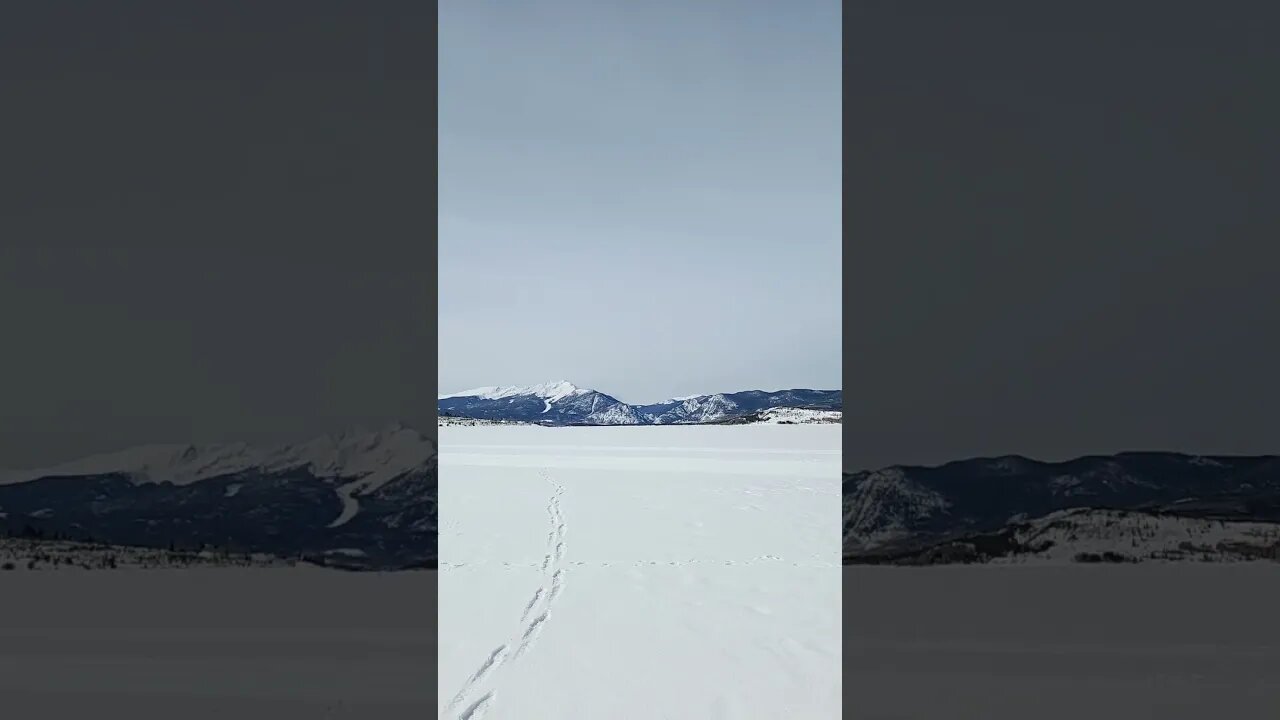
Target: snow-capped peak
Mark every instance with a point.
(359, 452)
(551, 391)
(379, 455)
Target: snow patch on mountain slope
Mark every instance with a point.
(380, 460)
(178, 464)
(881, 506)
(551, 392)
(390, 451)
(366, 460)
(798, 416)
(1064, 535)
(696, 409)
(616, 414)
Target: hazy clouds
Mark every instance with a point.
(212, 225)
(640, 197)
(1062, 231)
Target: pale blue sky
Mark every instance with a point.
(640, 197)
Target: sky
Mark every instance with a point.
(640, 198)
(213, 221)
(1062, 230)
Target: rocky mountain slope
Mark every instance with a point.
(557, 403)
(1127, 506)
(369, 496)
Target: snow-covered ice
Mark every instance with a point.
(687, 572)
(278, 643)
(983, 642)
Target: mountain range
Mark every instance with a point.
(366, 496)
(1126, 507)
(563, 403)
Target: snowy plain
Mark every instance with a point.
(273, 644)
(678, 572)
(1062, 642)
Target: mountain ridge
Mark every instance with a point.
(371, 492)
(975, 510)
(563, 403)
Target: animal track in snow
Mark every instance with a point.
(537, 595)
(491, 663)
(538, 607)
(532, 631)
(557, 583)
(477, 709)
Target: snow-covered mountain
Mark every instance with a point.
(563, 403)
(555, 403)
(1125, 506)
(697, 409)
(380, 454)
(373, 491)
(724, 406)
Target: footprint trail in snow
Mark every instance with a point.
(478, 694)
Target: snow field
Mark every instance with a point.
(640, 572)
(278, 644)
(1169, 641)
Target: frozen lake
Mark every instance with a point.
(686, 572)
(278, 644)
(1062, 643)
